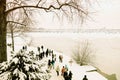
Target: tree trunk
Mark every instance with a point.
(3, 46)
(12, 37)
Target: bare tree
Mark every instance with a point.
(16, 28)
(68, 7)
(82, 54)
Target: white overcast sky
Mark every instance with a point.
(106, 15)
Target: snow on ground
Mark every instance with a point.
(80, 71)
(77, 70)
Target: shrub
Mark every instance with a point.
(82, 54)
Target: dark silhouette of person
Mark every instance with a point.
(70, 75)
(40, 56)
(23, 47)
(42, 47)
(85, 77)
(43, 53)
(47, 53)
(49, 63)
(65, 75)
(38, 49)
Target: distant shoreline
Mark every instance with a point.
(77, 30)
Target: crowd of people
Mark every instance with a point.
(65, 74)
(64, 71)
(60, 72)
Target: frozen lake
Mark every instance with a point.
(106, 47)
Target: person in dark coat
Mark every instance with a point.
(49, 63)
(85, 77)
(43, 53)
(23, 47)
(38, 49)
(47, 53)
(65, 75)
(70, 75)
(40, 56)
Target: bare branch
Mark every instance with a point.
(58, 2)
(50, 7)
(38, 2)
(15, 23)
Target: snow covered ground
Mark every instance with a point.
(77, 70)
(107, 55)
